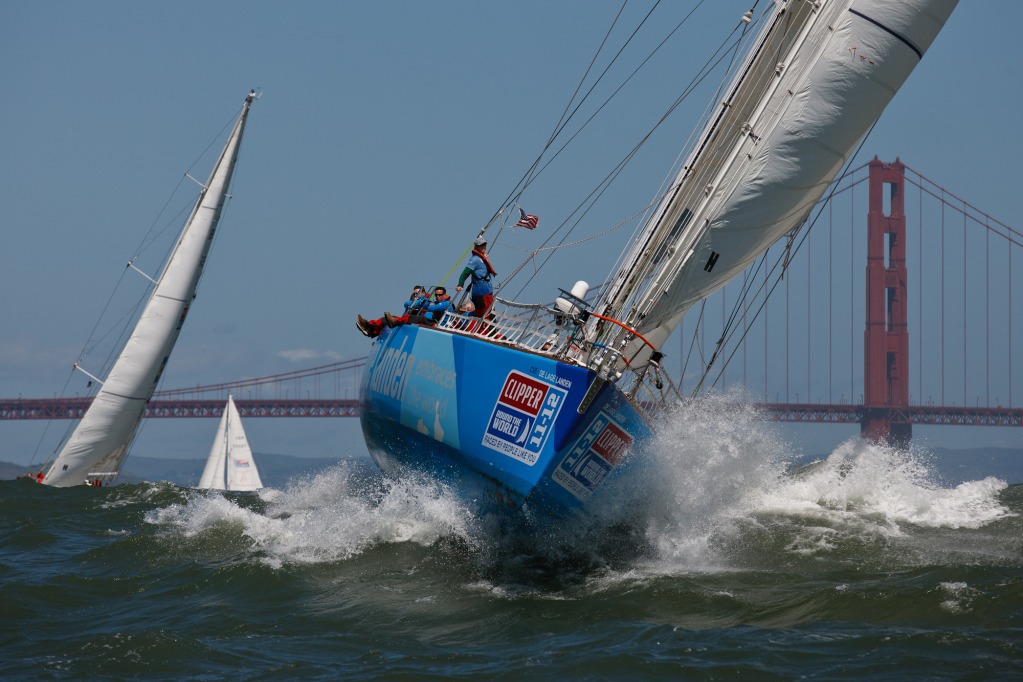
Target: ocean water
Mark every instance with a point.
(713, 560)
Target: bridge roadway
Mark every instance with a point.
(74, 408)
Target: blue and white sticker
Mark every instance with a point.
(592, 457)
(523, 417)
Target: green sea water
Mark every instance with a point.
(714, 563)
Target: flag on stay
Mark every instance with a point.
(526, 220)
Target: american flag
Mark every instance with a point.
(526, 220)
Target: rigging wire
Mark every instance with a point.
(516, 192)
(587, 204)
(152, 235)
(609, 230)
(617, 282)
(622, 85)
(123, 324)
(558, 127)
(727, 334)
(529, 177)
(561, 126)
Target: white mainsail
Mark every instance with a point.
(818, 76)
(230, 465)
(98, 446)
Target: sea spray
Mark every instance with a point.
(334, 515)
(712, 492)
(865, 505)
(705, 461)
(884, 485)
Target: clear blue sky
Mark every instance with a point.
(388, 132)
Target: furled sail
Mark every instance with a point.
(817, 77)
(98, 446)
(230, 465)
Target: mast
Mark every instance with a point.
(812, 84)
(99, 444)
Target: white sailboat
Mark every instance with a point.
(96, 450)
(230, 465)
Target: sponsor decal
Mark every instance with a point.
(523, 417)
(592, 457)
(392, 372)
(390, 377)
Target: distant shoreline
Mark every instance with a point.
(952, 466)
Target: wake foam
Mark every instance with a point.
(714, 483)
(331, 516)
(867, 481)
(719, 471)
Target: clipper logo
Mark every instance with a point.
(523, 417)
(599, 450)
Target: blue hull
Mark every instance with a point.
(501, 426)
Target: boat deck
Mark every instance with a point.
(560, 334)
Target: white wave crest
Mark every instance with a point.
(898, 486)
(331, 516)
(718, 466)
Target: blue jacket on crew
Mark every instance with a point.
(417, 305)
(435, 311)
(481, 285)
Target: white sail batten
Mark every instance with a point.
(816, 79)
(230, 465)
(98, 446)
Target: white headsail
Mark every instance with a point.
(817, 78)
(98, 446)
(230, 465)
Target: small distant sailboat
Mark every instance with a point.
(230, 465)
(96, 450)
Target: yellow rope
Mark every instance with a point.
(455, 266)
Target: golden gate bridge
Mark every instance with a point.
(943, 325)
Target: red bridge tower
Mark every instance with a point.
(886, 339)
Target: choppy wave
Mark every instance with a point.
(710, 543)
(715, 486)
(331, 516)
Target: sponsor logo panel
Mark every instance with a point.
(523, 417)
(592, 457)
